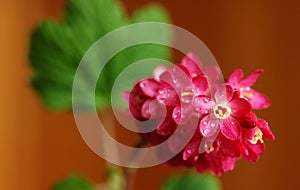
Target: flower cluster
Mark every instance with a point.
(226, 127)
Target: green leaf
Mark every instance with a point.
(73, 182)
(56, 49)
(192, 181)
(150, 13)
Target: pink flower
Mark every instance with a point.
(223, 113)
(252, 142)
(227, 129)
(256, 99)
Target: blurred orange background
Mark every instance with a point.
(39, 147)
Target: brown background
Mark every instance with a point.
(38, 147)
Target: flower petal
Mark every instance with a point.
(209, 126)
(166, 77)
(200, 82)
(152, 108)
(249, 120)
(125, 96)
(202, 163)
(202, 104)
(150, 87)
(167, 96)
(265, 129)
(159, 70)
(136, 101)
(252, 151)
(259, 101)
(193, 64)
(251, 79)
(236, 77)
(224, 94)
(228, 164)
(239, 107)
(168, 126)
(230, 148)
(180, 78)
(191, 149)
(212, 73)
(231, 128)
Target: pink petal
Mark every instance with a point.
(265, 129)
(152, 108)
(150, 87)
(231, 128)
(212, 73)
(230, 148)
(228, 164)
(159, 70)
(253, 150)
(176, 115)
(180, 78)
(181, 115)
(202, 104)
(167, 127)
(191, 149)
(209, 125)
(125, 96)
(224, 94)
(236, 77)
(259, 101)
(251, 79)
(239, 107)
(167, 96)
(193, 64)
(249, 120)
(166, 77)
(136, 100)
(202, 163)
(200, 82)
(145, 109)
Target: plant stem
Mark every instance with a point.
(130, 173)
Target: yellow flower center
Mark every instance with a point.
(221, 111)
(245, 93)
(257, 137)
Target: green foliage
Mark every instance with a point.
(192, 181)
(56, 49)
(73, 182)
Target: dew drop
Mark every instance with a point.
(232, 154)
(213, 125)
(142, 84)
(206, 100)
(176, 113)
(189, 151)
(204, 122)
(206, 131)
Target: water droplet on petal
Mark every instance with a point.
(232, 154)
(213, 125)
(142, 84)
(189, 151)
(204, 122)
(206, 131)
(206, 100)
(176, 113)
